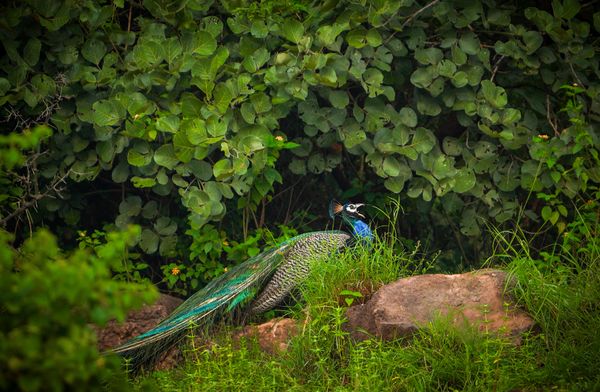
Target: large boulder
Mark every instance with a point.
(477, 298)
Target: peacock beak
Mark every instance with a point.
(358, 213)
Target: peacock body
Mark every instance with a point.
(253, 287)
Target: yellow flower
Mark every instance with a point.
(225, 243)
(225, 269)
(279, 138)
(175, 271)
(543, 136)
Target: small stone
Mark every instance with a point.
(273, 336)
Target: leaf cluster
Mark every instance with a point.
(48, 300)
(196, 109)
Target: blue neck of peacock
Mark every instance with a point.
(362, 232)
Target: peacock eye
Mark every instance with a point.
(351, 208)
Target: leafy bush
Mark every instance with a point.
(47, 301)
(208, 251)
(185, 106)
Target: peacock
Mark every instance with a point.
(255, 286)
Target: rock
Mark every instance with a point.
(137, 322)
(476, 298)
(273, 336)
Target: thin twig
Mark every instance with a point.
(407, 21)
(289, 207)
(24, 207)
(553, 124)
(589, 3)
(129, 22)
(496, 66)
(261, 222)
(410, 18)
(575, 74)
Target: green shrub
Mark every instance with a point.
(47, 301)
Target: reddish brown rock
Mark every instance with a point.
(477, 298)
(273, 336)
(137, 322)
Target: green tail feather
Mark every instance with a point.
(220, 296)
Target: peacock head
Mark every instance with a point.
(350, 215)
(346, 211)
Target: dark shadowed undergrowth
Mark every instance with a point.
(560, 287)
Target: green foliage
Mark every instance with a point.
(114, 246)
(47, 301)
(571, 161)
(455, 104)
(211, 252)
(14, 150)
(13, 146)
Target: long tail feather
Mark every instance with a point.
(219, 296)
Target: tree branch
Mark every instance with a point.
(24, 207)
(410, 18)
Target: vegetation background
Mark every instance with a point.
(163, 141)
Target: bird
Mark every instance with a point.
(255, 286)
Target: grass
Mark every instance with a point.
(560, 287)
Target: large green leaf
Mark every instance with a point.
(165, 156)
(422, 77)
(172, 49)
(131, 206)
(108, 112)
(495, 95)
(169, 123)
(391, 166)
(292, 30)
(328, 33)
(533, 40)
(255, 61)
(338, 99)
(357, 38)
(469, 43)
(408, 117)
(223, 169)
(149, 241)
(423, 140)
(429, 56)
(261, 102)
(428, 106)
(222, 97)
(205, 44)
(184, 150)
(93, 51)
(31, 52)
(191, 106)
